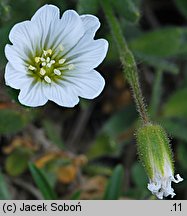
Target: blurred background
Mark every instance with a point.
(89, 152)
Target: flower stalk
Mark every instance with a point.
(127, 59)
(152, 141)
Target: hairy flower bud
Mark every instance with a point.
(156, 156)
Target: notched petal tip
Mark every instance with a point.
(68, 14)
(178, 179)
(91, 24)
(162, 187)
(32, 95)
(105, 45)
(47, 10)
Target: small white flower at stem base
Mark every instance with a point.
(53, 58)
(156, 156)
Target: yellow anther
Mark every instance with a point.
(61, 61)
(47, 79)
(42, 71)
(32, 67)
(49, 51)
(48, 60)
(57, 72)
(71, 67)
(37, 59)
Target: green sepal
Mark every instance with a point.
(154, 149)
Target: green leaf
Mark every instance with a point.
(176, 127)
(127, 9)
(156, 93)
(114, 186)
(121, 121)
(112, 55)
(4, 193)
(97, 169)
(165, 42)
(103, 145)
(53, 134)
(12, 121)
(42, 183)
(159, 64)
(17, 162)
(88, 6)
(4, 11)
(176, 105)
(13, 93)
(105, 142)
(139, 176)
(76, 195)
(182, 6)
(23, 9)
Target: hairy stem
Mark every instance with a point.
(127, 59)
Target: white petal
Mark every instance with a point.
(25, 35)
(178, 179)
(46, 19)
(61, 94)
(32, 95)
(91, 24)
(154, 187)
(46, 14)
(87, 85)
(17, 60)
(88, 55)
(68, 31)
(15, 78)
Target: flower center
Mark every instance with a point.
(48, 67)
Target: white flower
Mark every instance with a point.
(160, 185)
(53, 58)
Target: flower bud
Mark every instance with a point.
(156, 155)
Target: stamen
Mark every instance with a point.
(37, 59)
(45, 52)
(61, 61)
(71, 67)
(48, 59)
(52, 61)
(31, 67)
(47, 79)
(42, 72)
(49, 51)
(57, 72)
(45, 67)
